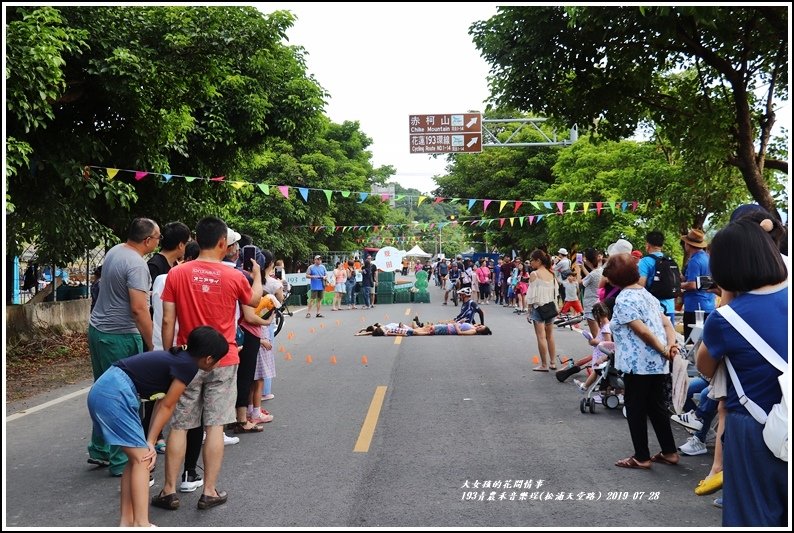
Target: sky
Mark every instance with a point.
(382, 62)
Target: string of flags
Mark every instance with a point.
(557, 207)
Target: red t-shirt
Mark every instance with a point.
(207, 294)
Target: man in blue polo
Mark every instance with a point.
(695, 299)
(316, 274)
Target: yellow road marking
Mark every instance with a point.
(398, 340)
(408, 311)
(371, 420)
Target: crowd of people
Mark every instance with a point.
(181, 335)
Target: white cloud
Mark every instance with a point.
(382, 62)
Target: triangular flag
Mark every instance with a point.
(399, 197)
(472, 201)
(598, 207)
(420, 200)
(304, 192)
(284, 189)
(535, 205)
(571, 207)
(521, 221)
(512, 220)
(112, 173)
(345, 194)
(485, 205)
(238, 184)
(454, 200)
(623, 206)
(328, 194)
(634, 205)
(264, 187)
(586, 206)
(501, 222)
(218, 178)
(167, 177)
(384, 196)
(190, 178)
(612, 206)
(502, 205)
(547, 205)
(559, 207)
(438, 200)
(537, 218)
(139, 175)
(518, 204)
(362, 196)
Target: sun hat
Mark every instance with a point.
(695, 238)
(231, 236)
(562, 251)
(620, 246)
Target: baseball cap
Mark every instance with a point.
(620, 246)
(231, 236)
(562, 251)
(316, 257)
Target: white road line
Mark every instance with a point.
(45, 405)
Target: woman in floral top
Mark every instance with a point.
(644, 343)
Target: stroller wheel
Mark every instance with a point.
(612, 401)
(624, 412)
(592, 405)
(583, 405)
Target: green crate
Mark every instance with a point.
(300, 289)
(385, 287)
(384, 298)
(402, 297)
(422, 297)
(385, 277)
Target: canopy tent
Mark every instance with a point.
(416, 252)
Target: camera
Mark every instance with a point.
(704, 283)
(278, 273)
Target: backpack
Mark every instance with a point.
(666, 281)
(775, 422)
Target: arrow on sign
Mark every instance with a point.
(471, 123)
(473, 141)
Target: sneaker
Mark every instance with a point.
(717, 502)
(98, 462)
(688, 420)
(228, 441)
(620, 400)
(693, 446)
(151, 480)
(263, 418)
(190, 482)
(579, 383)
(266, 397)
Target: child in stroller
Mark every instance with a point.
(601, 316)
(607, 383)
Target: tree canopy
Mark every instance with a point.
(610, 69)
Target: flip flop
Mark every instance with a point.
(659, 458)
(631, 462)
(540, 369)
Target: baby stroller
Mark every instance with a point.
(608, 384)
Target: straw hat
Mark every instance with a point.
(695, 238)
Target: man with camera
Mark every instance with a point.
(696, 296)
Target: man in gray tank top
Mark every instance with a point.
(120, 324)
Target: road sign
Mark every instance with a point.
(457, 143)
(459, 123)
(433, 134)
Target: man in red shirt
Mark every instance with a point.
(205, 292)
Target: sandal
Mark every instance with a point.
(709, 485)
(631, 462)
(308, 315)
(540, 369)
(660, 458)
(553, 368)
(239, 427)
(318, 315)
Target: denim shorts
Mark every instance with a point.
(535, 316)
(115, 409)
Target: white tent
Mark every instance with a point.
(416, 252)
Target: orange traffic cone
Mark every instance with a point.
(364, 360)
(281, 349)
(288, 356)
(333, 359)
(308, 359)
(312, 330)
(536, 360)
(322, 325)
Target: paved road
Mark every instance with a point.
(456, 411)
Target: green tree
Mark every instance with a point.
(181, 90)
(606, 69)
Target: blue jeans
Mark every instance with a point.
(349, 288)
(367, 291)
(706, 412)
(696, 385)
